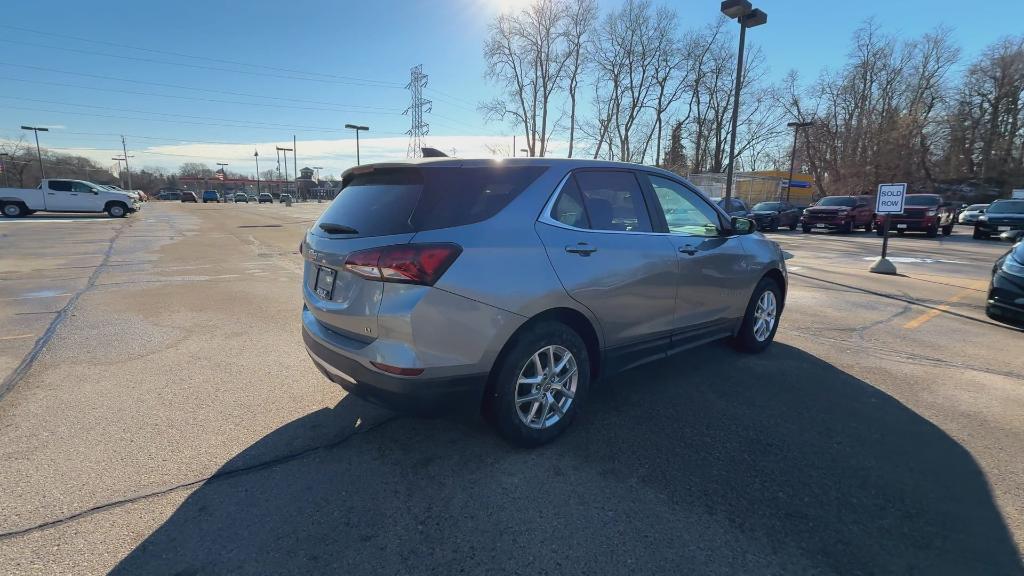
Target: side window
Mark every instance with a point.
(685, 212)
(568, 208)
(80, 187)
(60, 185)
(613, 201)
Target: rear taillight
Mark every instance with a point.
(405, 263)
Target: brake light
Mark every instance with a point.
(405, 263)
(396, 370)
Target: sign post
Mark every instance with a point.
(889, 201)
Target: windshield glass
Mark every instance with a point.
(1007, 207)
(768, 206)
(914, 200)
(838, 201)
(976, 207)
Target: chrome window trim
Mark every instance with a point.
(545, 215)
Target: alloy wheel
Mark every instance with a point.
(546, 386)
(765, 314)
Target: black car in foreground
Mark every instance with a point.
(1006, 291)
(775, 215)
(1000, 216)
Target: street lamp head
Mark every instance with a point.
(755, 17)
(799, 124)
(735, 8)
(356, 127)
(35, 128)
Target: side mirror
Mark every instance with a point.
(743, 225)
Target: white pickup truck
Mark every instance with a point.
(58, 195)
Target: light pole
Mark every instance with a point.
(224, 176)
(39, 153)
(748, 17)
(3, 168)
(256, 155)
(126, 157)
(796, 126)
(119, 160)
(357, 129)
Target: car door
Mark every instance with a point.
(86, 197)
(598, 236)
(714, 269)
(60, 196)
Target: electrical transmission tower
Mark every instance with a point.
(417, 107)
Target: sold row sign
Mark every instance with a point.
(890, 198)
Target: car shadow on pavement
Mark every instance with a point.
(711, 462)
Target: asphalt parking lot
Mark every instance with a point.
(158, 414)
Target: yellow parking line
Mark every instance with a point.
(917, 322)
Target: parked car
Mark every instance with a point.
(188, 196)
(211, 196)
(240, 197)
(604, 266)
(176, 196)
(266, 197)
(1000, 216)
(926, 213)
(252, 197)
(843, 213)
(286, 197)
(969, 215)
(59, 195)
(1006, 290)
(733, 207)
(775, 215)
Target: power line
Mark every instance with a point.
(175, 86)
(200, 66)
(352, 108)
(65, 37)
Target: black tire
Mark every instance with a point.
(806, 229)
(979, 235)
(745, 340)
(15, 210)
(867, 227)
(792, 227)
(503, 410)
(947, 230)
(932, 232)
(880, 231)
(117, 210)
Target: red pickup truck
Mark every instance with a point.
(926, 213)
(843, 213)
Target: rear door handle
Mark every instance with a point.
(581, 248)
(688, 250)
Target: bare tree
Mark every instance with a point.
(578, 24)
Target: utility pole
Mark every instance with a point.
(223, 175)
(286, 151)
(126, 157)
(796, 126)
(39, 152)
(295, 164)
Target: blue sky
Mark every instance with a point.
(268, 70)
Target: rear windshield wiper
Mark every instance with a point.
(337, 228)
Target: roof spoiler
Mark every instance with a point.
(433, 153)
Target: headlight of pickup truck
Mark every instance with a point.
(1012, 266)
(931, 213)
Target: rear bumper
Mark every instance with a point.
(407, 394)
(995, 228)
(916, 225)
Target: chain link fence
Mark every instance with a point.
(753, 188)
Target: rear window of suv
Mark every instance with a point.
(402, 200)
(1006, 207)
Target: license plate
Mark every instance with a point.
(325, 282)
(1004, 228)
(901, 226)
(819, 225)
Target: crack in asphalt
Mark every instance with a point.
(26, 363)
(215, 477)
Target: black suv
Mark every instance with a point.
(775, 215)
(1000, 216)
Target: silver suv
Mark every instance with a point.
(510, 286)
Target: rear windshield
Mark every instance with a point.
(913, 200)
(838, 201)
(402, 200)
(1006, 207)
